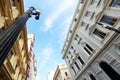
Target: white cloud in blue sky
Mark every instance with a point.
(50, 32)
(47, 52)
(58, 10)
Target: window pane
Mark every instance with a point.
(77, 66)
(99, 33)
(89, 47)
(84, 25)
(108, 19)
(89, 14)
(115, 3)
(79, 58)
(95, 2)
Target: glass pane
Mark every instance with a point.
(99, 33)
(108, 19)
(115, 3)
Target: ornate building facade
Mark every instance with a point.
(91, 51)
(14, 66)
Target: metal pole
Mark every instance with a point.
(9, 36)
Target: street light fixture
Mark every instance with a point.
(107, 27)
(9, 35)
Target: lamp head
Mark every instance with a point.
(37, 14)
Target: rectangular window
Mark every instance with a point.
(108, 19)
(89, 14)
(81, 61)
(78, 39)
(115, 3)
(77, 66)
(99, 33)
(88, 49)
(74, 70)
(95, 2)
(84, 25)
(66, 74)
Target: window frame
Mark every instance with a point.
(99, 36)
(95, 3)
(113, 3)
(89, 16)
(106, 19)
(84, 25)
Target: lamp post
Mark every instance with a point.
(9, 35)
(107, 27)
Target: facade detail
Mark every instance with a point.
(91, 51)
(14, 66)
(62, 73)
(31, 64)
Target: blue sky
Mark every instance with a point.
(50, 32)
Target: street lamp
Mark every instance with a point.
(9, 35)
(107, 27)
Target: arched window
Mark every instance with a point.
(92, 77)
(110, 71)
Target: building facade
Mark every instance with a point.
(14, 66)
(31, 66)
(91, 51)
(62, 73)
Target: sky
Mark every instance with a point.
(50, 32)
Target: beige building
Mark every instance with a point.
(91, 51)
(62, 73)
(14, 66)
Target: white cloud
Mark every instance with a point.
(38, 77)
(63, 32)
(63, 7)
(47, 52)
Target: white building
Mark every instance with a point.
(91, 51)
(31, 68)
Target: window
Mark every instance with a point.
(74, 70)
(92, 77)
(95, 2)
(84, 25)
(82, 1)
(81, 61)
(109, 71)
(12, 2)
(9, 55)
(108, 19)
(72, 47)
(77, 66)
(78, 39)
(89, 14)
(88, 49)
(99, 33)
(75, 19)
(66, 74)
(115, 3)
